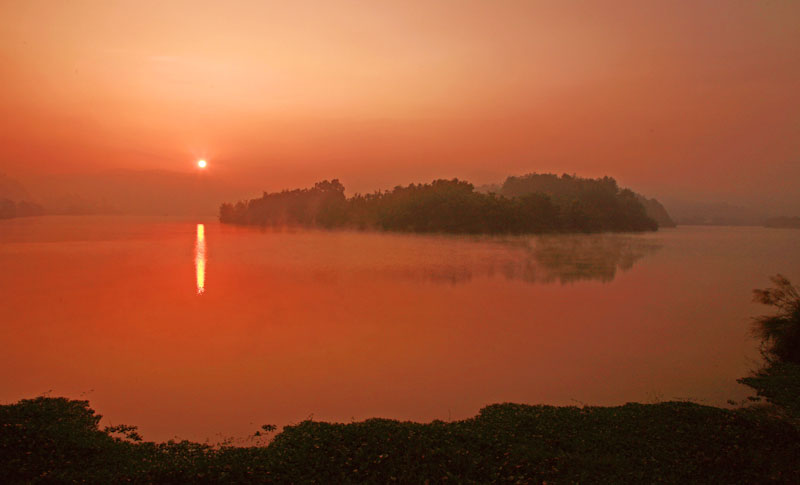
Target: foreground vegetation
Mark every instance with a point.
(779, 383)
(779, 380)
(59, 440)
(55, 439)
(573, 204)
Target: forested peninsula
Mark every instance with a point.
(530, 204)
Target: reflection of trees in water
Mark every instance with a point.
(591, 257)
(549, 259)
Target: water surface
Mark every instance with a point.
(202, 331)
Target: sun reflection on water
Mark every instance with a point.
(200, 259)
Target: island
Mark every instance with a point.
(567, 204)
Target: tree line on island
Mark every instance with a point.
(533, 203)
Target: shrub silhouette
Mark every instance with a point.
(779, 333)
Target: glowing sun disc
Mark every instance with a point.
(201, 164)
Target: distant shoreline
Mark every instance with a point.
(531, 204)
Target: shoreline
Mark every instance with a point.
(59, 439)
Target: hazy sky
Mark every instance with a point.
(676, 99)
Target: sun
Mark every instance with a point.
(201, 164)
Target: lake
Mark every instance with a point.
(196, 330)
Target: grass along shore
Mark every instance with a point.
(59, 440)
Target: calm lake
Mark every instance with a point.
(204, 331)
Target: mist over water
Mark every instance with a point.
(198, 330)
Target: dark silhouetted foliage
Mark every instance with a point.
(779, 382)
(588, 205)
(449, 206)
(55, 440)
(323, 205)
(780, 333)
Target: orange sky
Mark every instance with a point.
(676, 99)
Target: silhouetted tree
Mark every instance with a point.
(586, 205)
(780, 333)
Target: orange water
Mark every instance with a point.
(205, 332)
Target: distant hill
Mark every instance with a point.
(15, 201)
(134, 192)
(12, 190)
(656, 211)
(791, 222)
(715, 214)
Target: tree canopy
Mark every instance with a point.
(452, 206)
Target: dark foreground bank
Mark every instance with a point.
(56, 439)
